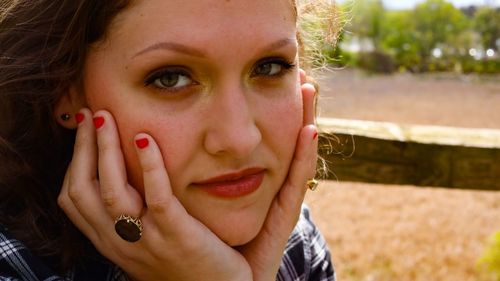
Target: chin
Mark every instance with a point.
(238, 239)
(237, 230)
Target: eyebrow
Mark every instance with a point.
(176, 47)
(184, 49)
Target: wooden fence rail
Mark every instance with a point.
(390, 153)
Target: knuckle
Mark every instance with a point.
(62, 201)
(74, 194)
(109, 197)
(148, 167)
(157, 206)
(105, 145)
(162, 207)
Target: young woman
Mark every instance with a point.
(156, 140)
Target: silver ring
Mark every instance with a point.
(128, 228)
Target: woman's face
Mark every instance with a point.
(215, 83)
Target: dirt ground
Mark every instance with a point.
(441, 99)
(382, 232)
(404, 233)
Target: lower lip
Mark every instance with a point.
(234, 188)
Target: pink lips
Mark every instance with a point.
(234, 184)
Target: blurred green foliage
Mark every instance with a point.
(487, 23)
(489, 263)
(434, 36)
(369, 19)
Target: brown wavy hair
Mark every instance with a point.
(43, 48)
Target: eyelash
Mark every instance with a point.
(285, 64)
(151, 80)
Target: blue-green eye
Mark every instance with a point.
(169, 79)
(272, 67)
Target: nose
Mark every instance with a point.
(232, 131)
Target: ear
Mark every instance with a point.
(67, 106)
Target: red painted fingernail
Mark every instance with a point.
(79, 117)
(98, 122)
(315, 135)
(142, 143)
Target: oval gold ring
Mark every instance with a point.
(128, 228)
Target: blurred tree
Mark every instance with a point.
(434, 36)
(399, 39)
(436, 23)
(368, 17)
(487, 24)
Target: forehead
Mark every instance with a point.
(212, 9)
(202, 21)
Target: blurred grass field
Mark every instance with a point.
(381, 232)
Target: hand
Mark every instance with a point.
(265, 252)
(174, 245)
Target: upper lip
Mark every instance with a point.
(231, 176)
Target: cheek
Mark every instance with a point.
(289, 109)
(283, 120)
(173, 138)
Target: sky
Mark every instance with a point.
(408, 4)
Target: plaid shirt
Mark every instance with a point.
(306, 257)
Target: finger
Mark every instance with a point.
(285, 210)
(90, 217)
(80, 181)
(286, 207)
(303, 167)
(161, 204)
(309, 103)
(80, 194)
(116, 194)
(66, 204)
(84, 161)
(303, 76)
